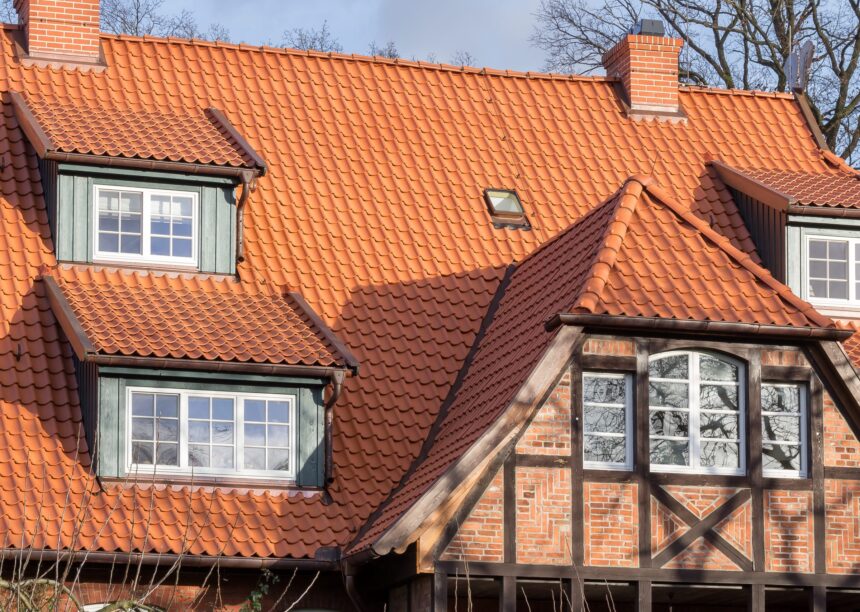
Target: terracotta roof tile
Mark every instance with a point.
(183, 316)
(834, 189)
(372, 210)
(193, 136)
(639, 254)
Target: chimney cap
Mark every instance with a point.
(649, 27)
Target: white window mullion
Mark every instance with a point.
(240, 433)
(693, 400)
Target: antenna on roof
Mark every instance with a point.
(797, 66)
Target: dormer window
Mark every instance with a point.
(505, 208)
(145, 225)
(831, 269)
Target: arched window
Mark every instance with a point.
(696, 413)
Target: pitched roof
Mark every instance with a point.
(832, 188)
(59, 124)
(180, 316)
(639, 254)
(373, 210)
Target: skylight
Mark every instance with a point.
(505, 208)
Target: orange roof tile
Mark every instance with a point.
(835, 188)
(118, 131)
(639, 254)
(181, 316)
(372, 209)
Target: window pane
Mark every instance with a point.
(837, 249)
(255, 459)
(142, 429)
(278, 459)
(131, 202)
(167, 405)
(141, 404)
(222, 456)
(198, 431)
(838, 290)
(222, 408)
(604, 450)
(713, 368)
(255, 435)
(129, 244)
(108, 221)
(222, 432)
(167, 454)
(781, 428)
(673, 366)
(279, 412)
(168, 430)
(182, 206)
(182, 227)
(720, 454)
(198, 455)
(818, 249)
(605, 419)
(108, 243)
(818, 288)
(278, 435)
(198, 407)
(670, 452)
(718, 425)
(780, 398)
(255, 410)
(718, 397)
(781, 457)
(181, 247)
(669, 423)
(160, 246)
(668, 394)
(817, 269)
(603, 389)
(142, 452)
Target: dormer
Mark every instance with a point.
(806, 226)
(140, 188)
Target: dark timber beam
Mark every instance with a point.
(508, 600)
(643, 596)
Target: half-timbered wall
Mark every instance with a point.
(542, 510)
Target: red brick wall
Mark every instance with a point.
(61, 27)
(702, 555)
(481, 536)
(602, 345)
(648, 68)
(785, 357)
(549, 432)
(543, 515)
(611, 525)
(665, 527)
(841, 448)
(788, 531)
(842, 507)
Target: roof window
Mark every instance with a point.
(506, 209)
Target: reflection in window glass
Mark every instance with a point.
(827, 269)
(695, 412)
(155, 429)
(606, 412)
(783, 428)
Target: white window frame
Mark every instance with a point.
(803, 472)
(146, 229)
(853, 295)
(694, 383)
(628, 423)
(183, 469)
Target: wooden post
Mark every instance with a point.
(440, 592)
(576, 594)
(818, 599)
(643, 596)
(754, 467)
(642, 456)
(508, 600)
(756, 601)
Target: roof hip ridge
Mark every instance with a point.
(625, 201)
(739, 256)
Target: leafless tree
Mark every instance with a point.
(728, 43)
(8, 14)
(388, 50)
(310, 39)
(146, 17)
(463, 58)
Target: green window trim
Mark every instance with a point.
(113, 423)
(72, 193)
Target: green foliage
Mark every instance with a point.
(254, 603)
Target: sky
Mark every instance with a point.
(495, 32)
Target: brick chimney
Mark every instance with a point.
(646, 61)
(60, 32)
